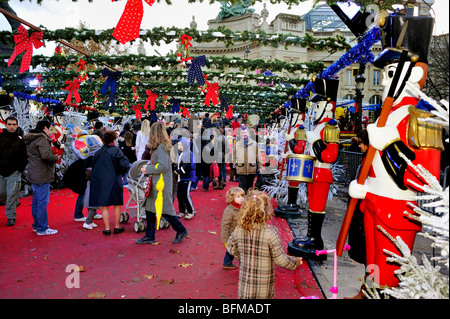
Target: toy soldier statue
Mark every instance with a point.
(297, 143)
(388, 187)
(324, 147)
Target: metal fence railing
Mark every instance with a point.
(350, 162)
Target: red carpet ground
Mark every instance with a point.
(115, 267)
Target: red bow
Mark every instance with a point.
(73, 87)
(211, 94)
(81, 64)
(130, 22)
(186, 40)
(137, 110)
(151, 98)
(25, 43)
(185, 112)
(58, 50)
(230, 112)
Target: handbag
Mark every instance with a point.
(148, 185)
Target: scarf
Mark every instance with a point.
(238, 206)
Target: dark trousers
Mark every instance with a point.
(246, 181)
(228, 259)
(184, 197)
(151, 224)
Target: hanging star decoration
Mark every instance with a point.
(25, 43)
(129, 24)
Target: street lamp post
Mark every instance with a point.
(360, 80)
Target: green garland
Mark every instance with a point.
(158, 35)
(142, 61)
(245, 98)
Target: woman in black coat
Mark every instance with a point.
(106, 189)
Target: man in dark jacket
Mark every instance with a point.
(41, 172)
(13, 160)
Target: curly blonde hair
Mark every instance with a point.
(232, 193)
(256, 210)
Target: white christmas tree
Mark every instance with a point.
(424, 281)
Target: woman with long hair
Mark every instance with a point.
(160, 166)
(142, 139)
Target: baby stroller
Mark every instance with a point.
(136, 190)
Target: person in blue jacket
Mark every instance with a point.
(185, 171)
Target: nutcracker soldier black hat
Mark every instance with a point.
(400, 32)
(58, 109)
(325, 89)
(299, 105)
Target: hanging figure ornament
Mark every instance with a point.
(129, 25)
(25, 43)
(195, 71)
(385, 184)
(324, 149)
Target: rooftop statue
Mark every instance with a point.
(232, 10)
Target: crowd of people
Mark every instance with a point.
(180, 154)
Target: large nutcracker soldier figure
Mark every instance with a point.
(388, 189)
(324, 147)
(296, 142)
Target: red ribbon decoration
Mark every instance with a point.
(185, 112)
(25, 43)
(58, 50)
(129, 25)
(186, 41)
(81, 64)
(211, 93)
(151, 99)
(230, 112)
(73, 87)
(137, 110)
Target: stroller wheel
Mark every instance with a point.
(139, 227)
(124, 217)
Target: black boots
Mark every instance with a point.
(291, 209)
(307, 246)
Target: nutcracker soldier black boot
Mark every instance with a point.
(291, 209)
(306, 247)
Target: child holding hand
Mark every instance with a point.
(234, 199)
(258, 247)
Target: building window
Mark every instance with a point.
(376, 77)
(349, 97)
(349, 77)
(376, 99)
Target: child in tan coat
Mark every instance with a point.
(234, 199)
(258, 247)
